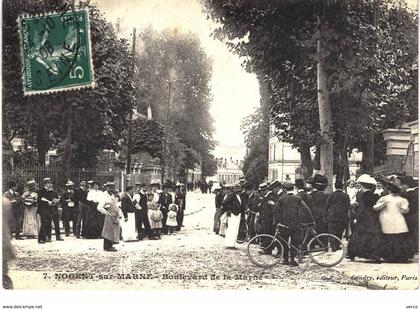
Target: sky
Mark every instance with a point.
(235, 92)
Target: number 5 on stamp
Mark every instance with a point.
(56, 52)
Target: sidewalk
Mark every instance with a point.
(389, 276)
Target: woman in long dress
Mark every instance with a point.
(30, 219)
(396, 244)
(95, 220)
(366, 238)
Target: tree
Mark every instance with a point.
(357, 47)
(78, 123)
(177, 58)
(149, 135)
(255, 130)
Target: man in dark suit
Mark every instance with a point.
(266, 212)
(80, 195)
(164, 202)
(70, 209)
(289, 211)
(411, 193)
(337, 211)
(319, 199)
(13, 198)
(141, 214)
(127, 202)
(252, 208)
(48, 210)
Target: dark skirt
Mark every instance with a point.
(365, 245)
(397, 247)
(94, 223)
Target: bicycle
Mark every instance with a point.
(324, 249)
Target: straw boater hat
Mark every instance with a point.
(47, 180)
(289, 186)
(109, 184)
(31, 183)
(263, 186)
(69, 183)
(274, 184)
(176, 206)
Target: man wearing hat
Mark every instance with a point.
(252, 208)
(290, 211)
(70, 208)
(164, 202)
(319, 198)
(108, 206)
(276, 188)
(48, 210)
(266, 206)
(337, 210)
(141, 213)
(411, 193)
(81, 202)
(12, 196)
(179, 200)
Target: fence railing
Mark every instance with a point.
(59, 176)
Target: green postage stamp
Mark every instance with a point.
(56, 52)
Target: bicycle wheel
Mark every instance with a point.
(326, 250)
(264, 250)
(242, 233)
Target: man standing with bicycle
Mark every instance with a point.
(266, 213)
(290, 211)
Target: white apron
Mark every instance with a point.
(232, 230)
(128, 228)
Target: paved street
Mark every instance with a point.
(194, 258)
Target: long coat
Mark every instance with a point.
(290, 211)
(367, 219)
(337, 207)
(266, 213)
(109, 207)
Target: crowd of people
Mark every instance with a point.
(87, 211)
(378, 217)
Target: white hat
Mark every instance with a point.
(69, 183)
(365, 178)
(216, 186)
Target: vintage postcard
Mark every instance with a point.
(210, 145)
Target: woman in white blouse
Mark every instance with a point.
(396, 245)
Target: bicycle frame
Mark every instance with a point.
(308, 231)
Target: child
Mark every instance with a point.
(156, 217)
(171, 222)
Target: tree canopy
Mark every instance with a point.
(97, 116)
(369, 55)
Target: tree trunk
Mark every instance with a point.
(41, 143)
(325, 119)
(368, 157)
(306, 160)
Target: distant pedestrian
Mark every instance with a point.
(164, 202)
(218, 198)
(80, 195)
(319, 199)
(128, 228)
